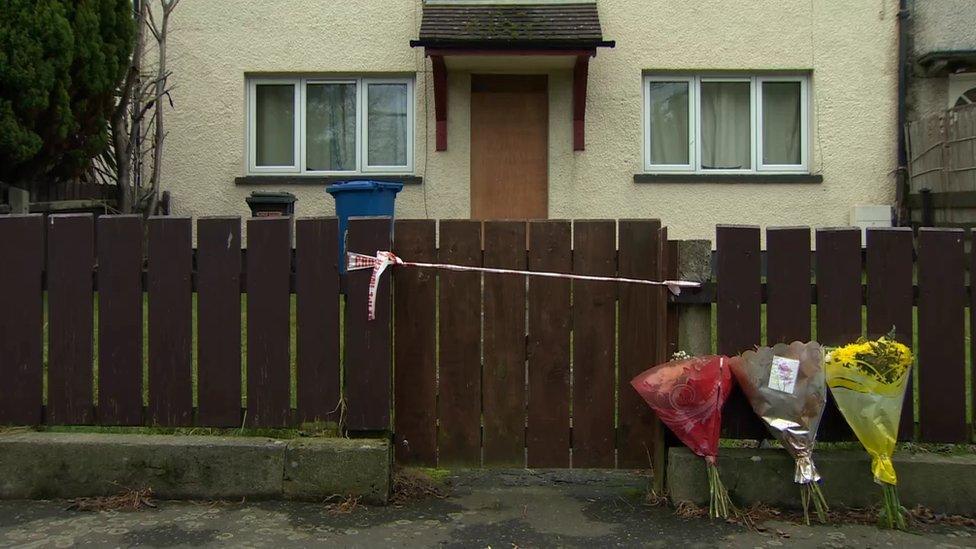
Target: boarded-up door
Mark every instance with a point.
(509, 146)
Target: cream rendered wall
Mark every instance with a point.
(214, 43)
(849, 46)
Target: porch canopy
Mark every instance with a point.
(945, 62)
(455, 32)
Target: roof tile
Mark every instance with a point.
(550, 23)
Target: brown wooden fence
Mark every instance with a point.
(840, 293)
(126, 265)
(482, 362)
(486, 369)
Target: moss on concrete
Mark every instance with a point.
(942, 483)
(37, 465)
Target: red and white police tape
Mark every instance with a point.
(382, 260)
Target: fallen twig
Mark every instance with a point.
(344, 506)
(130, 500)
(411, 485)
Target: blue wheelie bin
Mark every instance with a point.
(361, 198)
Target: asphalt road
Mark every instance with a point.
(484, 509)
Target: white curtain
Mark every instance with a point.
(330, 127)
(668, 112)
(386, 114)
(275, 124)
(781, 122)
(726, 120)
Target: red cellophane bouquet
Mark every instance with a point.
(688, 395)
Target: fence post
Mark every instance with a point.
(694, 263)
(689, 326)
(368, 364)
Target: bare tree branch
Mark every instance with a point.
(136, 128)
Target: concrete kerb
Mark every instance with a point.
(39, 465)
(942, 483)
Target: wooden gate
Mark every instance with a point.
(497, 370)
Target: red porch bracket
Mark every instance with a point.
(580, 74)
(440, 100)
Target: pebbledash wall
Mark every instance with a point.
(943, 26)
(849, 48)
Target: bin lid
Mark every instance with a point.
(271, 197)
(363, 185)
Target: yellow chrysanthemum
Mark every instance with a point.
(868, 381)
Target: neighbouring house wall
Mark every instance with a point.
(849, 47)
(937, 26)
(942, 25)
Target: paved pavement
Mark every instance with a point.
(485, 509)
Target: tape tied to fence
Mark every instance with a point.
(384, 259)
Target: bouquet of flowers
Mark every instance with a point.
(688, 394)
(868, 381)
(786, 387)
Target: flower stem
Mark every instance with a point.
(719, 503)
(892, 514)
(810, 492)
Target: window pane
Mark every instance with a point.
(726, 120)
(668, 120)
(387, 124)
(330, 127)
(275, 124)
(781, 122)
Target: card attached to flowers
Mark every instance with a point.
(782, 374)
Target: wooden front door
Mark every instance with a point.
(509, 146)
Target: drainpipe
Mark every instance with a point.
(901, 179)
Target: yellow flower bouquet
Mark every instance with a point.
(868, 380)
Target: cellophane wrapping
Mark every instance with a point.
(868, 380)
(786, 387)
(688, 395)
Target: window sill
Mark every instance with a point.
(324, 179)
(760, 178)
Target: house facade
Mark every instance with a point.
(943, 56)
(939, 104)
(765, 113)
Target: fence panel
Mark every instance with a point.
(890, 301)
(787, 284)
(415, 352)
(641, 337)
(317, 303)
(594, 339)
(548, 434)
(120, 320)
(739, 298)
(21, 318)
(459, 306)
(838, 307)
(926, 139)
(71, 258)
(972, 328)
(368, 356)
(219, 321)
(960, 134)
(503, 380)
(941, 336)
(268, 317)
(942, 168)
(170, 321)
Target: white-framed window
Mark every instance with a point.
(726, 124)
(328, 126)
